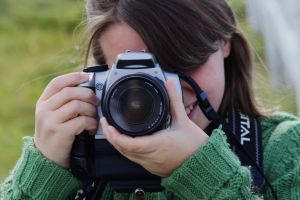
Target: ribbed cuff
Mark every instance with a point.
(40, 178)
(205, 172)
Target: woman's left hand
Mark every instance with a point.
(164, 151)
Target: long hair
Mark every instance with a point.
(182, 34)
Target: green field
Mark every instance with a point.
(41, 39)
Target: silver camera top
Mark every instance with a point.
(134, 63)
(140, 55)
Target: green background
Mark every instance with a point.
(42, 39)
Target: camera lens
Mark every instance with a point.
(137, 104)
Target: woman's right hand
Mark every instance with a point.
(62, 112)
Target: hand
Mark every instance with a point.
(62, 112)
(164, 151)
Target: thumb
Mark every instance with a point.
(176, 104)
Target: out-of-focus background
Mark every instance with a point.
(41, 39)
(38, 41)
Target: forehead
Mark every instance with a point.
(119, 38)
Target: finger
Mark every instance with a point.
(177, 107)
(60, 82)
(78, 125)
(125, 143)
(73, 109)
(71, 93)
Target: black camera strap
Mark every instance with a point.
(91, 190)
(248, 132)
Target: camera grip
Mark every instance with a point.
(81, 149)
(81, 155)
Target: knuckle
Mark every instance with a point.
(55, 83)
(67, 91)
(87, 122)
(90, 123)
(75, 105)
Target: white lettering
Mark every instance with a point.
(246, 120)
(245, 126)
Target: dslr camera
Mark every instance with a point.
(135, 101)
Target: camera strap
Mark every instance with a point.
(250, 154)
(247, 131)
(92, 190)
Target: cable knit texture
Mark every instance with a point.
(213, 172)
(35, 177)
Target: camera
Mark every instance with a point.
(135, 101)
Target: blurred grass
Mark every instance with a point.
(37, 43)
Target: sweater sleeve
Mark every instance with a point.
(213, 172)
(35, 177)
(282, 156)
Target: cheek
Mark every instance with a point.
(213, 84)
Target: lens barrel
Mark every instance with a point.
(137, 104)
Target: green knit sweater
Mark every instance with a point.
(213, 172)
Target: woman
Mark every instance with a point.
(199, 38)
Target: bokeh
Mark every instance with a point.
(38, 41)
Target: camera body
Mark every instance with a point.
(135, 101)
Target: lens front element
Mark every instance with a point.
(137, 104)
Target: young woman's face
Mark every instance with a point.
(210, 77)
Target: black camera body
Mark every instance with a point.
(135, 101)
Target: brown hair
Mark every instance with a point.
(182, 34)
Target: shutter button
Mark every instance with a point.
(139, 193)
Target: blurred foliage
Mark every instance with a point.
(37, 43)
